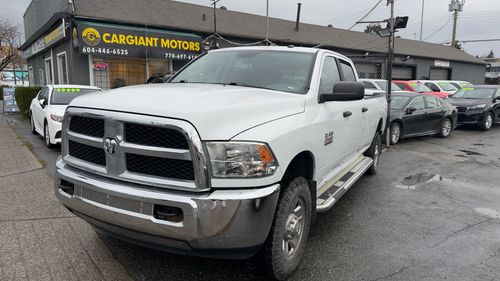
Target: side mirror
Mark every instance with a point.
(344, 91)
(42, 102)
(410, 110)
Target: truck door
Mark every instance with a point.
(339, 121)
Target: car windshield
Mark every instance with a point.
(398, 102)
(63, 96)
(383, 86)
(447, 86)
(419, 87)
(274, 70)
(475, 93)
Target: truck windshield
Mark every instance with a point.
(63, 96)
(273, 70)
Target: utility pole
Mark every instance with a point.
(455, 7)
(390, 59)
(267, 22)
(422, 20)
(214, 2)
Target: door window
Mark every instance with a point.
(329, 76)
(432, 102)
(48, 72)
(347, 71)
(417, 103)
(62, 68)
(432, 86)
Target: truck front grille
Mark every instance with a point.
(161, 167)
(155, 136)
(142, 149)
(461, 109)
(87, 126)
(87, 153)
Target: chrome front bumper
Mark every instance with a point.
(235, 222)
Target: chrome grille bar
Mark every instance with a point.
(116, 167)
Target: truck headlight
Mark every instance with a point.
(478, 106)
(241, 159)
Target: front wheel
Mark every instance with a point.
(287, 239)
(446, 128)
(46, 136)
(374, 153)
(32, 122)
(487, 122)
(395, 132)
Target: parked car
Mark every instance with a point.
(234, 156)
(418, 115)
(461, 84)
(377, 86)
(479, 105)
(440, 86)
(417, 87)
(159, 78)
(47, 109)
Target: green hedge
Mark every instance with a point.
(24, 96)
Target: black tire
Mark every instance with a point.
(487, 122)
(278, 257)
(374, 153)
(446, 128)
(395, 135)
(32, 124)
(46, 136)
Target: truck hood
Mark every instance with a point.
(218, 112)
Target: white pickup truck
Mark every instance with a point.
(232, 158)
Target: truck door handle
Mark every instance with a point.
(347, 114)
(364, 109)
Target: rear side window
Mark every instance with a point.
(418, 103)
(432, 102)
(329, 76)
(347, 71)
(405, 87)
(369, 85)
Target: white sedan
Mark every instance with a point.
(48, 107)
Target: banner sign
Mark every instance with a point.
(119, 40)
(9, 101)
(46, 41)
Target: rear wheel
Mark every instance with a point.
(46, 136)
(374, 153)
(287, 239)
(395, 133)
(487, 122)
(446, 128)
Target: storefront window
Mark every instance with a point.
(110, 73)
(48, 72)
(62, 68)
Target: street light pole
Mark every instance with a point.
(422, 20)
(390, 58)
(267, 22)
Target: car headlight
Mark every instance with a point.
(241, 159)
(56, 118)
(478, 106)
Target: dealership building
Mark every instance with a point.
(110, 43)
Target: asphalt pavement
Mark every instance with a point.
(431, 213)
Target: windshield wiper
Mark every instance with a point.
(241, 84)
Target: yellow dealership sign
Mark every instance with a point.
(108, 39)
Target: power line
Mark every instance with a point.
(439, 29)
(366, 15)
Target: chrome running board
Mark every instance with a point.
(341, 184)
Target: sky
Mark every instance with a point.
(479, 20)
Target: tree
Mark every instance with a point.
(491, 55)
(373, 28)
(8, 37)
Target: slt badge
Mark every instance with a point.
(110, 146)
